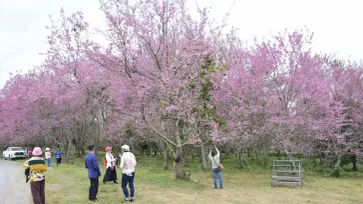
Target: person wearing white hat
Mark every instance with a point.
(48, 157)
(128, 163)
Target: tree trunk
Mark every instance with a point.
(315, 160)
(69, 143)
(265, 158)
(185, 159)
(178, 151)
(166, 158)
(308, 161)
(165, 145)
(288, 155)
(249, 152)
(178, 169)
(257, 158)
(354, 160)
(339, 159)
(98, 135)
(240, 158)
(322, 158)
(177, 158)
(204, 159)
(150, 148)
(279, 154)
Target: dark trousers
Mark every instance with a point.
(59, 160)
(128, 180)
(93, 189)
(37, 189)
(110, 175)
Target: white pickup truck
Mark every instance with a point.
(14, 153)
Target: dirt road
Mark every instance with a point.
(12, 183)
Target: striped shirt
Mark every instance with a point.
(36, 166)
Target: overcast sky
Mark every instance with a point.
(337, 24)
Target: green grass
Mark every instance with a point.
(69, 184)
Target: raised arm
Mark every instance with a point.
(210, 155)
(217, 151)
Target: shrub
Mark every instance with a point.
(333, 172)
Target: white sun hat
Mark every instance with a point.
(125, 148)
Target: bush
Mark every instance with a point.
(333, 172)
(355, 174)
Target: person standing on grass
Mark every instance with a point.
(91, 163)
(34, 170)
(58, 156)
(214, 157)
(110, 174)
(48, 157)
(127, 164)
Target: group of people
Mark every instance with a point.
(36, 166)
(127, 164)
(48, 156)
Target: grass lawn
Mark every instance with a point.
(69, 184)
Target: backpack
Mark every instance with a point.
(104, 161)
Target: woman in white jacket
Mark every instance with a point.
(128, 163)
(48, 157)
(110, 174)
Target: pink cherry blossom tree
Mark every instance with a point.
(276, 94)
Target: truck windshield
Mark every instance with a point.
(16, 149)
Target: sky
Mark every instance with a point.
(337, 25)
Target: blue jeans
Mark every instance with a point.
(217, 172)
(128, 180)
(49, 162)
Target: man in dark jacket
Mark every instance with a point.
(94, 172)
(58, 156)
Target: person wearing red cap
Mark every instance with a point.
(34, 170)
(110, 174)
